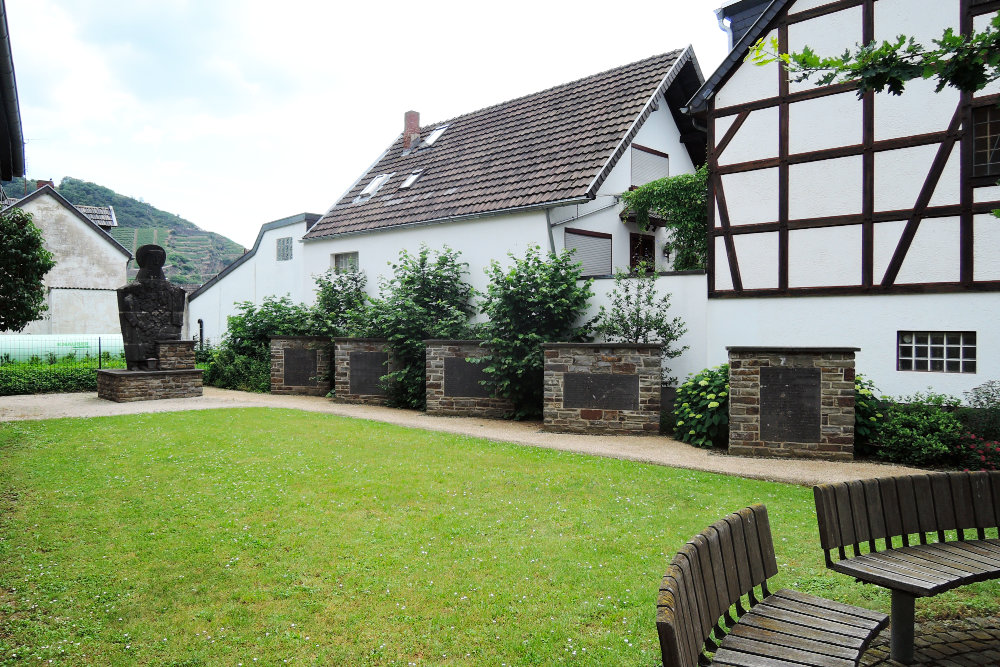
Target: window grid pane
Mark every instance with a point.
(936, 351)
(284, 249)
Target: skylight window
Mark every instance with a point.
(373, 187)
(435, 135)
(411, 179)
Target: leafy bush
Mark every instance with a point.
(243, 361)
(976, 453)
(921, 434)
(702, 408)
(534, 301)
(638, 316)
(984, 422)
(867, 414)
(46, 379)
(985, 396)
(681, 202)
(341, 304)
(425, 298)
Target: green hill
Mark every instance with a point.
(193, 254)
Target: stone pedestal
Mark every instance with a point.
(359, 364)
(300, 365)
(792, 402)
(176, 377)
(602, 388)
(453, 386)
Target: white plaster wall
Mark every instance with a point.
(987, 195)
(918, 110)
(660, 132)
(825, 122)
(83, 311)
(83, 255)
(751, 196)
(756, 139)
(824, 256)
(923, 21)
(979, 24)
(867, 322)
(749, 82)
(723, 275)
(824, 188)
(934, 253)
(803, 5)
(687, 300)
(826, 35)
(986, 258)
(900, 175)
(758, 259)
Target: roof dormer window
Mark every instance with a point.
(374, 186)
(411, 179)
(435, 135)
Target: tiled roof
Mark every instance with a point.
(547, 147)
(103, 216)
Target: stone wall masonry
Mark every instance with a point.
(175, 355)
(836, 395)
(614, 388)
(308, 374)
(343, 349)
(124, 386)
(443, 392)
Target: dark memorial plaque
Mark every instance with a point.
(601, 391)
(367, 369)
(300, 368)
(461, 379)
(790, 404)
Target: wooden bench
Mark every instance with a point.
(709, 603)
(917, 535)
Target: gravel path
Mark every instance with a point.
(659, 450)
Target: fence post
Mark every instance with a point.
(99, 360)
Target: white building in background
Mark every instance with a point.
(844, 222)
(89, 265)
(273, 267)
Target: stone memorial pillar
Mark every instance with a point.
(792, 402)
(300, 365)
(359, 364)
(453, 384)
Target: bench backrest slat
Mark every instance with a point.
(849, 513)
(705, 579)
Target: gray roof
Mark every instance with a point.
(554, 146)
(104, 216)
(699, 100)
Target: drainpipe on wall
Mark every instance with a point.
(201, 333)
(548, 227)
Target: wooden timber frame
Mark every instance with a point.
(957, 136)
(715, 599)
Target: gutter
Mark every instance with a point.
(455, 218)
(8, 90)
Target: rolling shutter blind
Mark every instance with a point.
(648, 167)
(594, 252)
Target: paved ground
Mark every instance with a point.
(650, 449)
(953, 643)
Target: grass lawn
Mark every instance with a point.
(260, 536)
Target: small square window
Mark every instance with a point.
(344, 262)
(936, 351)
(986, 141)
(284, 249)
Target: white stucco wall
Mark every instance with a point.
(258, 276)
(824, 256)
(865, 322)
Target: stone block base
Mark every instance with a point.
(359, 363)
(453, 387)
(124, 386)
(300, 365)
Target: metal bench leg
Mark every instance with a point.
(901, 628)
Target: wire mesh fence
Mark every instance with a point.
(86, 351)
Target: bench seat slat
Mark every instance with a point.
(880, 575)
(734, 659)
(763, 648)
(822, 615)
(804, 621)
(970, 556)
(799, 640)
(931, 560)
(764, 623)
(830, 604)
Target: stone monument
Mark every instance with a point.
(151, 312)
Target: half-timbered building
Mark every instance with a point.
(844, 221)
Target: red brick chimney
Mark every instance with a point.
(40, 184)
(411, 129)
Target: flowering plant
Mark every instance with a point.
(702, 408)
(975, 453)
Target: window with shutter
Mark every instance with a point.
(593, 250)
(648, 165)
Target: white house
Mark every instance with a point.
(546, 169)
(837, 221)
(89, 264)
(273, 267)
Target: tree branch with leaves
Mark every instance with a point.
(24, 261)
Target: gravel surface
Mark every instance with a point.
(659, 450)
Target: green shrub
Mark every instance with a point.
(45, 379)
(535, 300)
(985, 396)
(426, 298)
(983, 422)
(867, 415)
(341, 307)
(702, 408)
(975, 453)
(230, 370)
(919, 434)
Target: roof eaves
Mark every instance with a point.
(308, 218)
(700, 99)
(114, 218)
(685, 56)
(52, 192)
(11, 107)
(363, 174)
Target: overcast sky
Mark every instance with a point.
(233, 113)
